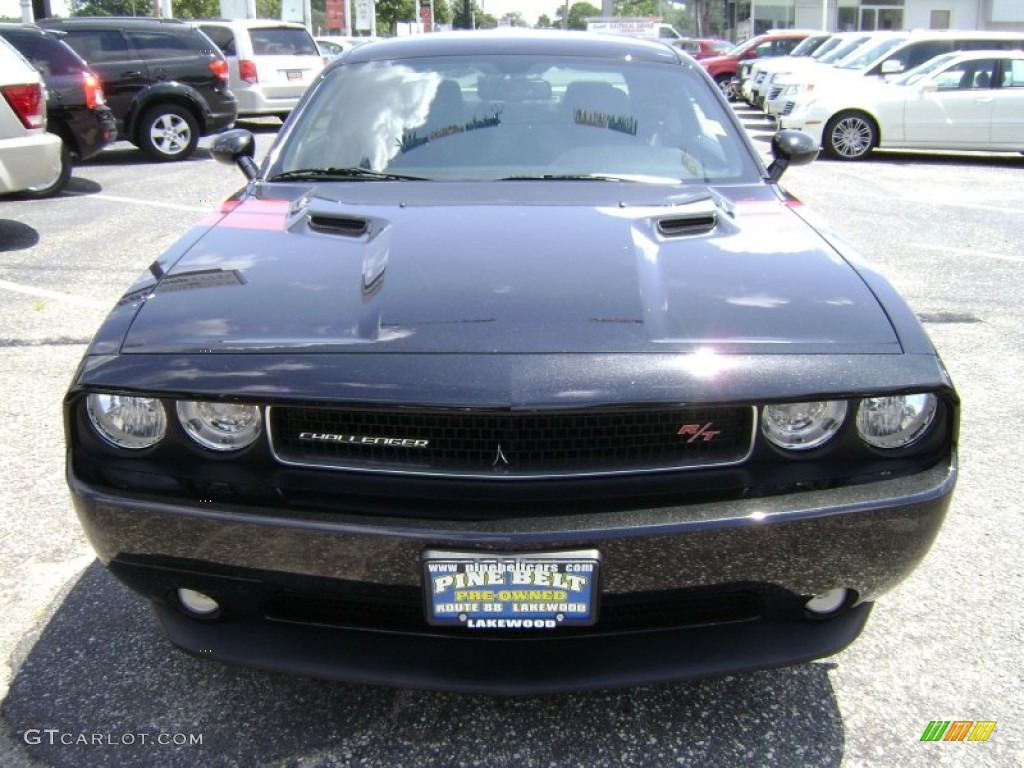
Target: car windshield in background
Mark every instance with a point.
(282, 41)
(490, 117)
(863, 57)
(922, 71)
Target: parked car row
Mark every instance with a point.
(925, 89)
(160, 84)
(30, 157)
(75, 106)
(724, 68)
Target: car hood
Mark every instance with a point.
(439, 272)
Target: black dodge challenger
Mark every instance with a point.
(511, 369)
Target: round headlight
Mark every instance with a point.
(801, 426)
(220, 426)
(127, 421)
(895, 421)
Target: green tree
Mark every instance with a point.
(442, 12)
(636, 8)
(390, 12)
(479, 19)
(515, 19)
(196, 9)
(111, 7)
(266, 9)
(579, 12)
(544, 21)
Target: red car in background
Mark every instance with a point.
(778, 43)
(703, 47)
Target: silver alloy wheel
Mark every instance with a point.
(851, 137)
(725, 86)
(170, 134)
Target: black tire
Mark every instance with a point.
(168, 132)
(850, 136)
(55, 185)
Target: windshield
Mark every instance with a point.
(827, 47)
(911, 77)
(806, 46)
(741, 47)
(489, 117)
(844, 49)
(866, 55)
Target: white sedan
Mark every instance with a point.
(958, 101)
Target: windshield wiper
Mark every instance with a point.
(564, 177)
(639, 178)
(327, 174)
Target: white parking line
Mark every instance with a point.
(137, 201)
(43, 293)
(969, 252)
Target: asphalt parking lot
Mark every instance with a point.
(87, 680)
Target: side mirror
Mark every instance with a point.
(892, 67)
(928, 87)
(790, 147)
(237, 147)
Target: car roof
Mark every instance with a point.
(983, 54)
(515, 41)
(20, 25)
(110, 21)
(967, 34)
(251, 23)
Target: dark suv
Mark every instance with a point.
(75, 107)
(165, 81)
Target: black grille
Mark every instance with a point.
(512, 443)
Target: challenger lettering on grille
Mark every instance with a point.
(392, 442)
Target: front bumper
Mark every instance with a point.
(779, 549)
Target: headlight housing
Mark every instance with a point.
(895, 421)
(127, 421)
(802, 426)
(220, 426)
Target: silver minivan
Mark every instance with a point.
(271, 62)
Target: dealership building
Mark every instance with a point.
(748, 17)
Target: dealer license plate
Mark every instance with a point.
(504, 591)
(294, 74)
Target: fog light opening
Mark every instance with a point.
(828, 603)
(197, 604)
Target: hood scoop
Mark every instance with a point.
(687, 225)
(335, 224)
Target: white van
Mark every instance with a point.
(271, 63)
